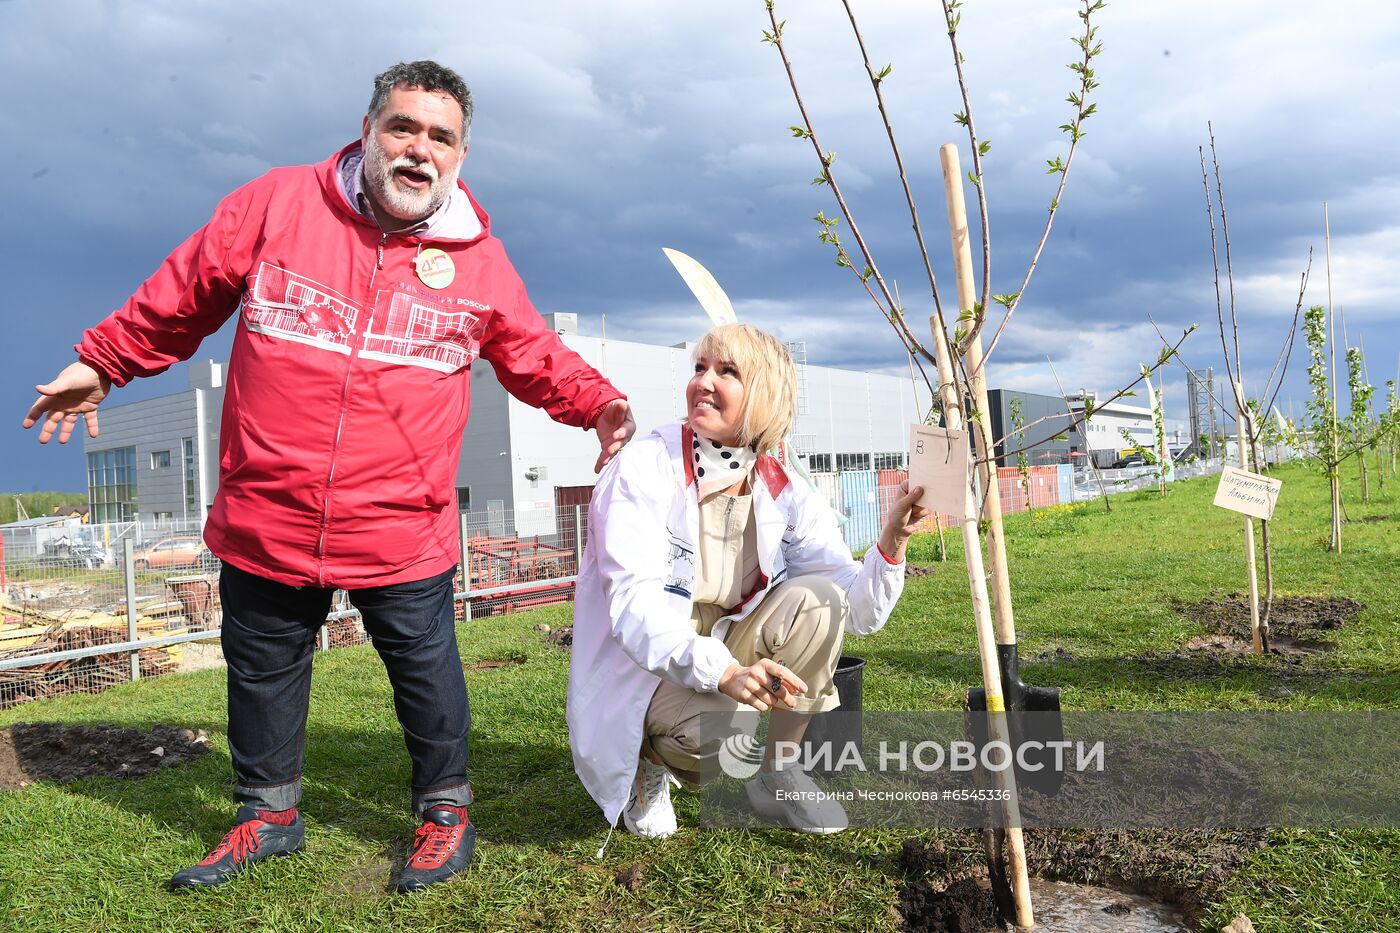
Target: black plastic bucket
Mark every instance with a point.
(829, 734)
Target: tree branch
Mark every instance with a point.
(1083, 110)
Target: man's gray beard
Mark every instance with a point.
(394, 201)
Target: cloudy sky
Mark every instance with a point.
(607, 130)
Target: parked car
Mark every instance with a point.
(174, 551)
(1132, 460)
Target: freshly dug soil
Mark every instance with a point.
(1294, 623)
(49, 751)
(960, 906)
(948, 888)
(1297, 616)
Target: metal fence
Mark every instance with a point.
(80, 617)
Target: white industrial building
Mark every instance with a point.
(157, 459)
(1103, 432)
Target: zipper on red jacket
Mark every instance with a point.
(340, 424)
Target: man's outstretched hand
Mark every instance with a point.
(78, 390)
(615, 427)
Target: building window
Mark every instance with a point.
(160, 459)
(112, 484)
(852, 462)
(191, 482)
(464, 498)
(819, 463)
(889, 461)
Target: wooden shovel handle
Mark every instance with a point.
(1004, 614)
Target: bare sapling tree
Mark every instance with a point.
(958, 356)
(1242, 408)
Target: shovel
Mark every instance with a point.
(1032, 715)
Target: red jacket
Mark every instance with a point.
(349, 384)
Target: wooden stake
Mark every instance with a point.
(1334, 479)
(1005, 629)
(1244, 432)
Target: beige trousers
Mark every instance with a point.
(801, 623)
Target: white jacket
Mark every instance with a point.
(632, 609)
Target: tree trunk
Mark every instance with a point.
(1268, 560)
(1334, 482)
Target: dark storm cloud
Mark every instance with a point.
(608, 130)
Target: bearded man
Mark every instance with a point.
(365, 287)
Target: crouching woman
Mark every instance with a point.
(715, 579)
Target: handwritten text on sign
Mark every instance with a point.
(1250, 493)
(938, 461)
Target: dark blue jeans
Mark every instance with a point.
(269, 635)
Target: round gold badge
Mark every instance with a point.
(435, 268)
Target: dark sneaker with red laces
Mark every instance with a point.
(442, 847)
(253, 838)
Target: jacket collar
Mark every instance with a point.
(767, 471)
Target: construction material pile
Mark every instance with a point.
(75, 675)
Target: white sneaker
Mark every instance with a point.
(649, 812)
(801, 805)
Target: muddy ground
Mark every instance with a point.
(47, 751)
(1296, 623)
(948, 888)
(948, 891)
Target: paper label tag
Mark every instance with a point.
(1250, 493)
(938, 461)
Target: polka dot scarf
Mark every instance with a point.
(718, 467)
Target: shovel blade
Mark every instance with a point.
(1032, 715)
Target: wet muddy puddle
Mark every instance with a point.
(1081, 908)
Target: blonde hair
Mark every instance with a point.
(769, 378)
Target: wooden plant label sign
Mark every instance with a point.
(939, 462)
(1250, 493)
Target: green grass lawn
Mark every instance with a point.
(95, 855)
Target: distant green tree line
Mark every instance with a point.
(38, 503)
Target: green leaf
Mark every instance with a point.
(976, 180)
(884, 73)
(1006, 300)
(799, 133)
(984, 147)
(960, 118)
